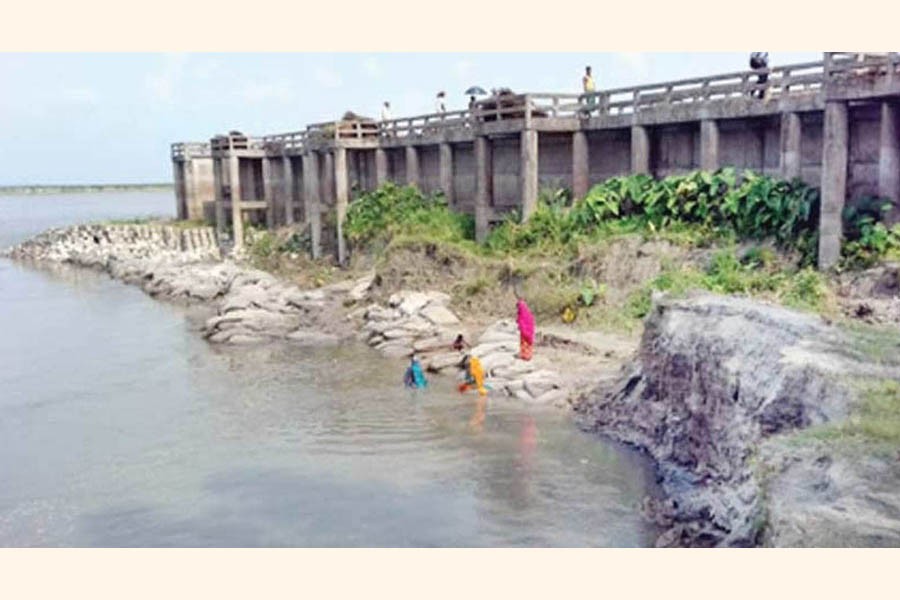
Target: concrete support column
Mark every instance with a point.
(709, 145)
(484, 175)
(341, 199)
(445, 171)
(580, 165)
(889, 158)
(327, 182)
(311, 201)
(287, 189)
(834, 182)
(640, 150)
(791, 134)
(412, 165)
(180, 191)
(237, 213)
(268, 192)
(218, 188)
(528, 171)
(381, 167)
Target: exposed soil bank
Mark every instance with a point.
(716, 395)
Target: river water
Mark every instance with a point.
(120, 426)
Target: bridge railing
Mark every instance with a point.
(793, 80)
(182, 150)
(291, 142)
(226, 143)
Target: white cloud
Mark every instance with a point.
(328, 78)
(463, 69)
(279, 91)
(372, 67)
(635, 61)
(163, 83)
(80, 95)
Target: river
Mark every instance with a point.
(121, 427)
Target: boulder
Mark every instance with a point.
(313, 338)
(439, 362)
(439, 315)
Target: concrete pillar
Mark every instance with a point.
(180, 191)
(889, 158)
(445, 168)
(268, 192)
(791, 134)
(640, 150)
(341, 199)
(218, 186)
(709, 145)
(287, 189)
(237, 214)
(834, 182)
(528, 171)
(327, 174)
(312, 200)
(412, 165)
(484, 175)
(381, 167)
(580, 165)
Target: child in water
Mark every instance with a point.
(460, 343)
(414, 376)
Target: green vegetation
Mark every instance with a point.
(868, 239)
(391, 211)
(697, 208)
(587, 258)
(874, 422)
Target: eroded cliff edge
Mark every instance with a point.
(743, 407)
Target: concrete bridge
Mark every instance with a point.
(834, 123)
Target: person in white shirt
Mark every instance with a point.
(440, 105)
(386, 111)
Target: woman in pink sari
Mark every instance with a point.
(525, 321)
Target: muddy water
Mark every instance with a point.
(122, 427)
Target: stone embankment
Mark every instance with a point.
(717, 394)
(422, 323)
(252, 306)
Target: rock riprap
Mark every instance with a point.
(720, 382)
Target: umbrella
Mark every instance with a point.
(475, 91)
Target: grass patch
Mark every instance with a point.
(874, 422)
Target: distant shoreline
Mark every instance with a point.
(10, 190)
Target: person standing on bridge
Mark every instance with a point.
(587, 84)
(440, 105)
(759, 61)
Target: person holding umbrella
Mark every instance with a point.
(472, 92)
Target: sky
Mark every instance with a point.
(110, 117)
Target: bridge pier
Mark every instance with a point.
(528, 171)
(640, 150)
(580, 165)
(709, 145)
(237, 215)
(219, 176)
(341, 199)
(445, 171)
(835, 154)
(889, 157)
(288, 189)
(483, 186)
(312, 201)
(269, 192)
(791, 136)
(412, 165)
(381, 167)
